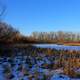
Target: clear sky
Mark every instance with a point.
(43, 15)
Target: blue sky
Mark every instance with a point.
(43, 15)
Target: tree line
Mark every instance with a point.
(57, 36)
(10, 34)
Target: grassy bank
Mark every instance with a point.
(71, 44)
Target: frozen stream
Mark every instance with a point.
(55, 46)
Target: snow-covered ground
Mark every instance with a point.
(29, 68)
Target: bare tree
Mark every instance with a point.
(7, 32)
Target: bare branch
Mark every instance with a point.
(2, 9)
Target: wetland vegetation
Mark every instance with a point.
(22, 58)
